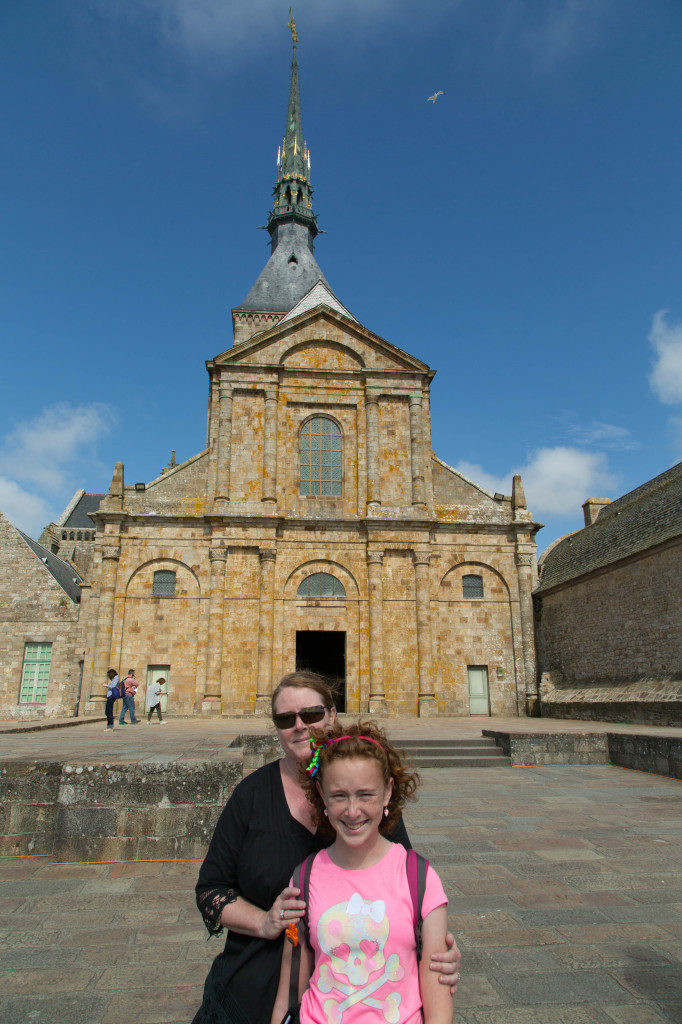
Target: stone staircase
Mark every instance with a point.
(470, 753)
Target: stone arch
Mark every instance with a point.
(315, 565)
(466, 567)
(163, 630)
(327, 615)
(321, 353)
(144, 574)
(476, 632)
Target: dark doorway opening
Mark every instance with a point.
(324, 652)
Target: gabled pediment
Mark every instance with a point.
(451, 487)
(321, 338)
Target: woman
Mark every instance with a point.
(266, 828)
(154, 695)
(113, 694)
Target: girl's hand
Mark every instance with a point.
(284, 910)
(447, 964)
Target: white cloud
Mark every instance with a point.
(606, 434)
(234, 28)
(560, 29)
(27, 511)
(42, 451)
(666, 376)
(556, 481)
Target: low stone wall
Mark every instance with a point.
(99, 812)
(638, 712)
(528, 749)
(660, 755)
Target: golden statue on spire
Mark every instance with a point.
(291, 24)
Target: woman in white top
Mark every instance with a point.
(154, 693)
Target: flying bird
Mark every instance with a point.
(435, 96)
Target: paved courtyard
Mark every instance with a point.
(565, 889)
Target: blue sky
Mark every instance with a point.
(522, 235)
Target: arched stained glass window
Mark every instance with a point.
(321, 458)
(472, 587)
(321, 584)
(164, 583)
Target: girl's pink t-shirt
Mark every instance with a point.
(362, 934)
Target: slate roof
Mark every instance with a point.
(79, 518)
(289, 274)
(641, 519)
(66, 576)
(318, 295)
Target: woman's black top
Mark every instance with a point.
(256, 845)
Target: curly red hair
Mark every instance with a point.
(345, 741)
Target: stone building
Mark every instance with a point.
(41, 643)
(609, 610)
(317, 528)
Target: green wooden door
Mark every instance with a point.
(479, 700)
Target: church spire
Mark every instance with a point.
(292, 192)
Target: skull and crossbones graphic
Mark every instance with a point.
(353, 935)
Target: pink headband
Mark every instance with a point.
(319, 747)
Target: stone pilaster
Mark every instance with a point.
(372, 414)
(524, 570)
(212, 702)
(377, 695)
(266, 616)
(111, 552)
(269, 487)
(417, 451)
(427, 697)
(223, 446)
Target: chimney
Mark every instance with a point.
(592, 507)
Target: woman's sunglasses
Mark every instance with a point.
(307, 715)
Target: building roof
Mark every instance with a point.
(320, 294)
(66, 576)
(289, 274)
(641, 519)
(292, 269)
(78, 518)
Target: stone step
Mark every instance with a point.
(481, 752)
(459, 761)
(477, 741)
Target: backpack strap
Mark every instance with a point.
(301, 880)
(416, 867)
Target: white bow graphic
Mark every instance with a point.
(356, 905)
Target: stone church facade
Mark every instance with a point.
(317, 528)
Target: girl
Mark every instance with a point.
(360, 961)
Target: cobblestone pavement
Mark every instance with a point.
(192, 738)
(565, 889)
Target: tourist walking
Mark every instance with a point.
(130, 684)
(266, 828)
(113, 685)
(154, 694)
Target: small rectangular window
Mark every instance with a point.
(36, 673)
(472, 587)
(164, 583)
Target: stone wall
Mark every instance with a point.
(35, 609)
(95, 812)
(618, 625)
(530, 749)
(661, 755)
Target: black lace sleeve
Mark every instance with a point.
(210, 903)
